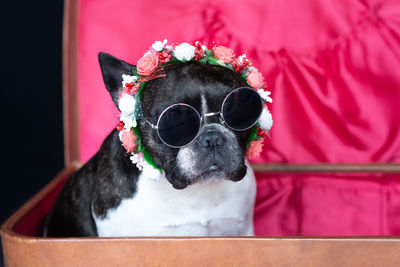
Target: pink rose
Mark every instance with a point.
(255, 79)
(255, 148)
(147, 64)
(223, 53)
(128, 141)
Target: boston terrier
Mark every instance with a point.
(192, 178)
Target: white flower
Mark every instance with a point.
(128, 79)
(158, 45)
(265, 121)
(204, 48)
(127, 104)
(242, 57)
(184, 51)
(265, 95)
(138, 159)
(120, 134)
(129, 120)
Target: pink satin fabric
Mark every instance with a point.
(333, 70)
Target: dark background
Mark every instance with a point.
(31, 100)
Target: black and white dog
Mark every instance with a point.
(205, 189)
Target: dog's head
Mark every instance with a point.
(218, 152)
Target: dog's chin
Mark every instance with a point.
(215, 174)
(211, 175)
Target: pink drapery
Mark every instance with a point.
(333, 70)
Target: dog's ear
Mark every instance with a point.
(112, 69)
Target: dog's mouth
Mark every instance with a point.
(216, 173)
(214, 168)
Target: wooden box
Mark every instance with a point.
(23, 247)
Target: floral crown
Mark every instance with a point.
(151, 65)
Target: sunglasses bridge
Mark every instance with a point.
(212, 114)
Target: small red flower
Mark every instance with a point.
(164, 56)
(131, 88)
(199, 52)
(261, 133)
(120, 126)
(241, 64)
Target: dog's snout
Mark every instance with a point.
(211, 139)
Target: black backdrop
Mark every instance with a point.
(31, 100)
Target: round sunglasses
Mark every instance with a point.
(179, 124)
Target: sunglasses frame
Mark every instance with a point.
(210, 114)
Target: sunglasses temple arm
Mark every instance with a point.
(151, 125)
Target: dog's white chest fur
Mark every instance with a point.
(157, 209)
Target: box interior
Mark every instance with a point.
(32, 223)
(306, 204)
(333, 77)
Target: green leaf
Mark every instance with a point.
(209, 53)
(172, 61)
(253, 135)
(244, 78)
(140, 148)
(213, 60)
(134, 71)
(203, 60)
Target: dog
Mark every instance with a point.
(204, 188)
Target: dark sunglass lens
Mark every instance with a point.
(178, 125)
(242, 108)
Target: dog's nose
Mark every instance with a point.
(211, 139)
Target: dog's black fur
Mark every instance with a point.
(109, 177)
